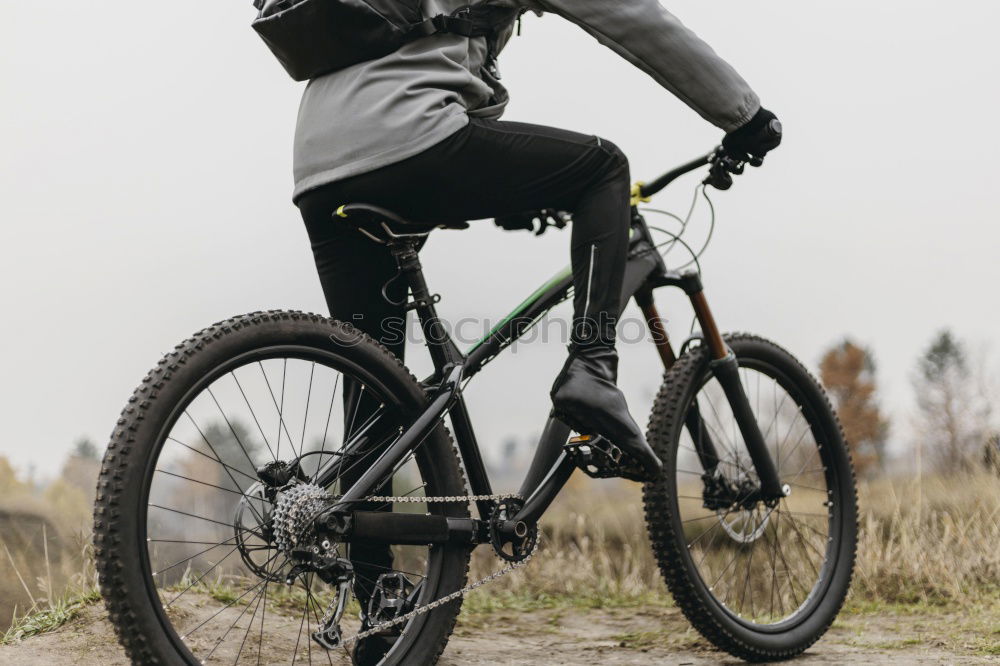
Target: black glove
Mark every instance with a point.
(546, 217)
(755, 139)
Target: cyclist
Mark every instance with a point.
(419, 132)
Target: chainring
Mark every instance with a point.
(515, 547)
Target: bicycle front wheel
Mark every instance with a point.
(214, 474)
(763, 582)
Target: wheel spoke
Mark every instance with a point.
(718, 419)
(212, 485)
(227, 542)
(376, 449)
(281, 419)
(746, 582)
(220, 639)
(205, 455)
(253, 415)
(192, 515)
(211, 545)
(775, 583)
(253, 617)
(805, 487)
(313, 604)
(201, 577)
(298, 637)
(231, 428)
(326, 428)
(219, 458)
(305, 419)
(798, 443)
(774, 571)
(788, 569)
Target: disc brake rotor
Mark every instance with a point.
(744, 526)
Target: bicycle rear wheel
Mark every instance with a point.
(761, 582)
(192, 564)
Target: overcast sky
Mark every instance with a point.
(145, 180)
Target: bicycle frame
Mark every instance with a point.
(551, 466)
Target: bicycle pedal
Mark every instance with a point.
(596, 456)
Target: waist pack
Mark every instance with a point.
(315, 37)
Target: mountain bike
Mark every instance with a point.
(277, 464)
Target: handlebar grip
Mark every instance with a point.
(774, 128)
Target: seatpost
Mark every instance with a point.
(442, 348)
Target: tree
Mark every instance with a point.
(847, 370)
(953, 412)
(10, 484)
(86, 449)
(82, 466)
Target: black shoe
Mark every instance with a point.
(585, 397)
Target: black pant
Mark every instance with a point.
(488, 169)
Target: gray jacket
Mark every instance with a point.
(383, 111)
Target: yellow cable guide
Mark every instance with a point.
(637, 197)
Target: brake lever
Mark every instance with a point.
(718, 177)
(719, 174)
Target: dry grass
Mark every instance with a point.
(931, 541)
(935, 540)
(922, 542)
(46, 560)
(53, 597)
(594, 552)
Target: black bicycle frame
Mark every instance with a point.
(551, 466)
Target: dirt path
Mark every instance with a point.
(606, 637)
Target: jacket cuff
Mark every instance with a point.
(747, 110)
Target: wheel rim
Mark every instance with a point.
(764, 566)
(213, 573)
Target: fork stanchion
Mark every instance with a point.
(656, 328)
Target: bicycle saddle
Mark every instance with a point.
(382, 224)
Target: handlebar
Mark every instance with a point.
(720, 173)
(649, 189)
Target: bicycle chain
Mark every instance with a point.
(428, 607)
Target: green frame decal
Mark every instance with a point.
(524, 305)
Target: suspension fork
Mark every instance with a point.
(704, 446)
(726, 369)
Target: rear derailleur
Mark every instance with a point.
(393, 597)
